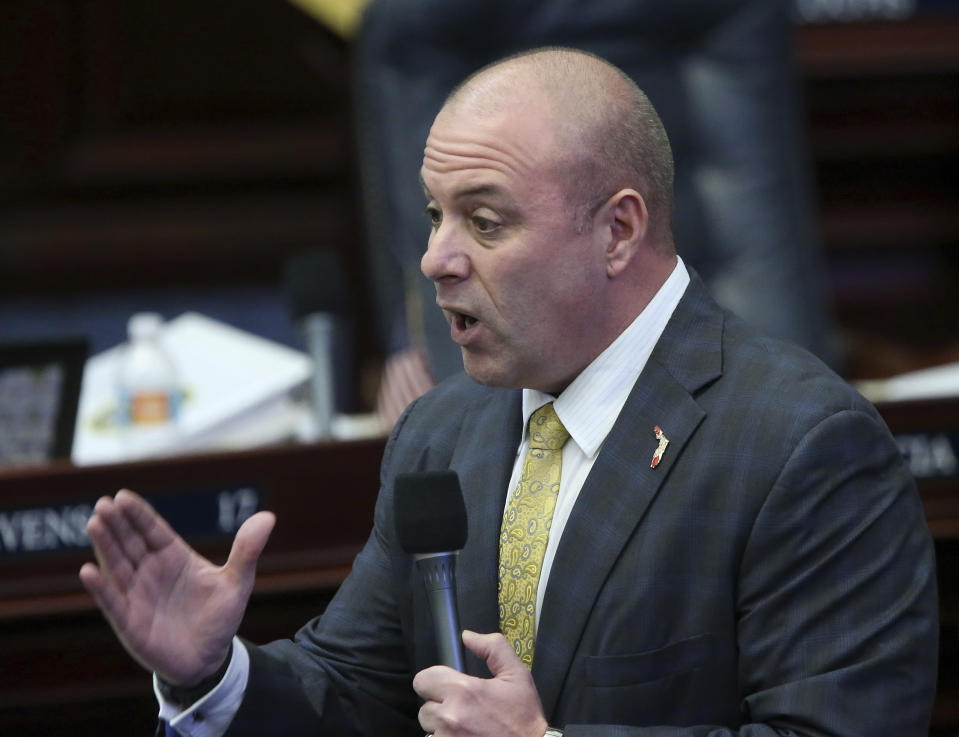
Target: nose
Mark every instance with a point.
(444, 260)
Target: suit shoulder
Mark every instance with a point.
(455, 394)
(431, 427)
(777, 376)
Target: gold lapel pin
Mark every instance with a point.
(663, 442)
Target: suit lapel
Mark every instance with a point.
(484, 459)
(621, 485)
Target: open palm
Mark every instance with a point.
(173, 610)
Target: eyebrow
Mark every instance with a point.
(479, 189)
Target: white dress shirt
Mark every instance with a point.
(588, 407)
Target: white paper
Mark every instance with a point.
(931, 383)
(237, 391)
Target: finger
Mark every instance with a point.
(248, 544)
(495, 650)
(110, 555)
(427, 717)
(433, 683)
(115, 608)
(438, 682)
(144, 519)
(110, 512)
(106, 595)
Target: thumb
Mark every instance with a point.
(249, 543)
(499, 655)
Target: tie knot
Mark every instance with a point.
(545, 429)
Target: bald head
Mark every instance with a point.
(607, 134)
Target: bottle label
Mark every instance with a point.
(151, 408)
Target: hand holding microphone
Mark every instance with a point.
(431, 525)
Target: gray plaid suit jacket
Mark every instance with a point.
(773, 575)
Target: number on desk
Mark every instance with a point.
(235, 507)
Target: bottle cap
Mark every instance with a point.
(144, 324)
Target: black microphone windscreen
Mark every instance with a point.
(429, 511)
(316, 282)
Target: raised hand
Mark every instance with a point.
(458, 705)
(173, 610)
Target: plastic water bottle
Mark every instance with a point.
(148, 391)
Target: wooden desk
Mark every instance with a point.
(60, 663)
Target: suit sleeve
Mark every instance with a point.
(346, 672)
(837, 610)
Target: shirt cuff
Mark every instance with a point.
(211, 715)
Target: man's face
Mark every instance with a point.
(522, 289)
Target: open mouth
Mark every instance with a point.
(464, 322)
(461, 326)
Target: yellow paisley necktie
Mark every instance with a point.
(525, 531)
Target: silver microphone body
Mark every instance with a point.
(439, 577)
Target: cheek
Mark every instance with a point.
(527, 302)
(532, 285)
(506, 283)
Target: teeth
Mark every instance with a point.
(468, 321)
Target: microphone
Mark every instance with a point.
(431, 526)
(316, 286)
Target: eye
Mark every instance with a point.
(435, 216)
(484, 225)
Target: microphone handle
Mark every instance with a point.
(439, 577)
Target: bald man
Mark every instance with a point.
(733, 545)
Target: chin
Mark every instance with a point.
(486, 379)
(489, 375)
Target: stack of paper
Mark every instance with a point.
(238, 392)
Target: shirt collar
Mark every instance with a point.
(589, 406)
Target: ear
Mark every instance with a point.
(629, 220)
